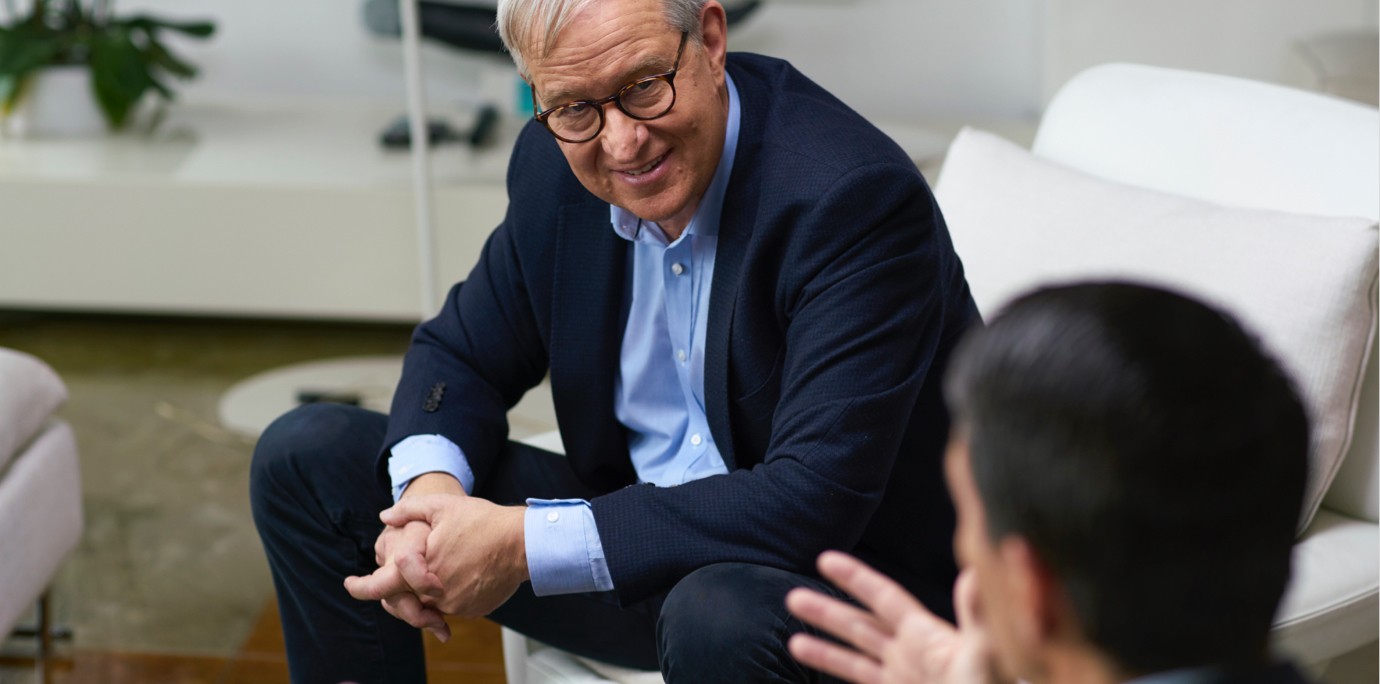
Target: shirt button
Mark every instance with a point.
(680, 355)
(677, 269)
(553, 516)
(696, 439)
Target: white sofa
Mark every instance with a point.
(1193, 136)
(40, 489)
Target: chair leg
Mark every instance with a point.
(43, 632)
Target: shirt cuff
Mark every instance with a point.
(564, 554)
(421, 454)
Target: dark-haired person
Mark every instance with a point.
(1128, 466)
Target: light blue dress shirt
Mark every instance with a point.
(658, 395)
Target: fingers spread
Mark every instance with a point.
(888, 600)
(834, 659)
(845, 621)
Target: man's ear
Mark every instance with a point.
(1039, 609)
(714, 34)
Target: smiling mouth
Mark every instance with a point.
(646, 169)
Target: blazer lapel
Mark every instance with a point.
(586, 337)
(728, 264)
(735, 230)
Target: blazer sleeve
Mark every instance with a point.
(861, 294)
(471, 363)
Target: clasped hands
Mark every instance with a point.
(441, 553)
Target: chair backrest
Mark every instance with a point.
(1239, 143)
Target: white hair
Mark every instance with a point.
(523, 22)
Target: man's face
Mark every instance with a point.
(656, 169)
(997, 607)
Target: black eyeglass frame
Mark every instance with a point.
(617, 98)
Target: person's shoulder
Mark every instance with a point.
(798, 123)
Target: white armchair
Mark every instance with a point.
(1198, 137)
(40, 490)
(1172, 166)
(1248, 144)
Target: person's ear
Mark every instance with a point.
(1037, 607)
(714, 35)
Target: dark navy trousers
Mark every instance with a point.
(316, 500)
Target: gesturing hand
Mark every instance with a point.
(403, 583)
(896, 639)
(476, 549)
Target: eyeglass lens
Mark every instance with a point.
(645, 99)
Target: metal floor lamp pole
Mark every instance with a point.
(252, 404)
(421, 155)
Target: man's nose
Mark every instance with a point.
(623, 135)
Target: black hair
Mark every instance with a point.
(1152, 454)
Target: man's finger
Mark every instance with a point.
(407, 608)
(413, 508)
(888, 600)
(836, 617)
(834, 659)
(384, 582)
(415, 572)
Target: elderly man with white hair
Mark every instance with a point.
(744, 296)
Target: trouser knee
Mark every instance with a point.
(728, 623)
(311, 448)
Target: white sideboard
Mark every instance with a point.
(240, 207)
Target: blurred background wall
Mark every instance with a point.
(897, 59)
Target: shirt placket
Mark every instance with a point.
(679, 273)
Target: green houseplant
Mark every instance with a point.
(127, 57)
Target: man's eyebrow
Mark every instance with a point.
(653, 64)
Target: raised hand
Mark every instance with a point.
(895, 639)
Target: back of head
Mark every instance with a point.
(1152, 455)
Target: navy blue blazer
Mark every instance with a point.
(836, 299)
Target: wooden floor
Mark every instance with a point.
(474, 655)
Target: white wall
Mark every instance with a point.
(894, 59)
(910, 57)
(901, 58)
(1248, 38)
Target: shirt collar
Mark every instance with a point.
(706, 219)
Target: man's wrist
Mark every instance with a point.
(520, 536)
(433, 483)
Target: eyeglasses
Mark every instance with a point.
(645, 99)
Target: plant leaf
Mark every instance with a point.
(158, 54)
(197, 29)
(22, 51)
(119, 75)
(165, 92)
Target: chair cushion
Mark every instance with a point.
(1330, 606)
(1302, 283)
(29, 393)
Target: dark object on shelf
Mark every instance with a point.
(461, 26)
(398, 135)
(327, 397)
(484, 126)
